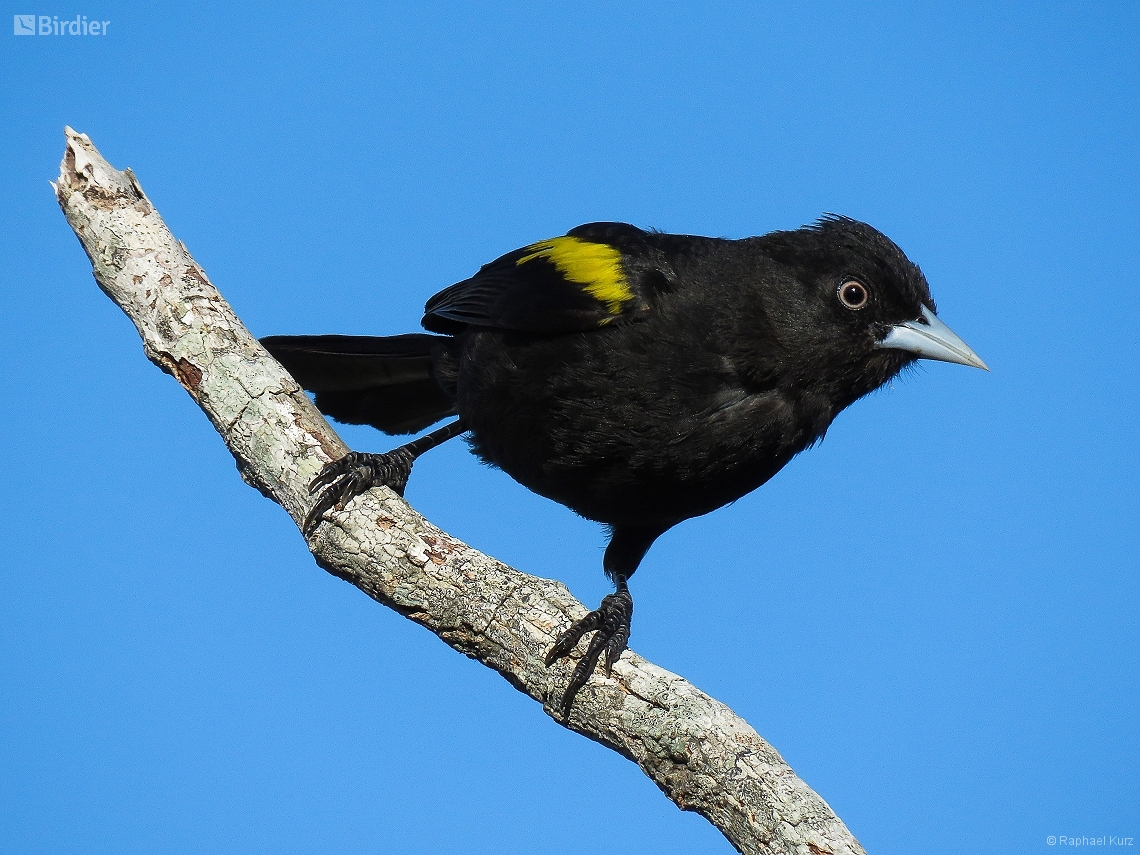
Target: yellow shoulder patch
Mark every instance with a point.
(597, 266)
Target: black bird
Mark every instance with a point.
(638, 378)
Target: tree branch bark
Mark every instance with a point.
(699, 753)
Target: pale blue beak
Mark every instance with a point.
(929, 338)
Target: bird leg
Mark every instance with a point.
(357, 472)
(610, 623)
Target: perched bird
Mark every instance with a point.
(638, 378)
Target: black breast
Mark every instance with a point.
(625, 425)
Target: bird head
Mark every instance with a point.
(855, 310)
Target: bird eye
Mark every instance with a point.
(854, 295)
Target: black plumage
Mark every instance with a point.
(638, 378)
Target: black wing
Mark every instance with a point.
(596, 275)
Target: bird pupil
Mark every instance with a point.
(853, 294)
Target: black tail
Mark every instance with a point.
(384, 382)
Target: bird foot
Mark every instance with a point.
(355, 473)
(610, 622)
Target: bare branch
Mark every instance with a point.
(694, 748)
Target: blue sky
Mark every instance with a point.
(933, 615)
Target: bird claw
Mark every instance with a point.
(342, 480)
(611, 623)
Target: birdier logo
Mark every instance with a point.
(51, 25)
